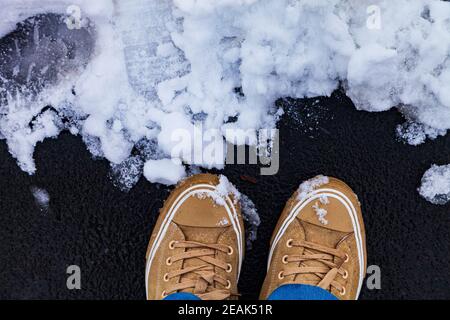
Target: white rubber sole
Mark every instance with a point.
(316, 194)
(192, 191)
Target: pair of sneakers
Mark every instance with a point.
(197, 246)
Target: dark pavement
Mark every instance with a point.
(93, 224)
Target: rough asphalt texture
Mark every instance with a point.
(92, 224)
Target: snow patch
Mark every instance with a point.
(159, 66)
(321, 213)
(164, 171)
(416, 133)
(324, 199)
(127, 174)
(41, 197)
(435, 186)
(310, 185)
(251, 217)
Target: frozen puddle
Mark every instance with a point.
(126, 75)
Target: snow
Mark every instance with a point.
(321, 213)
(248, 208)
(223, 222)
(41, 197)
(310, 185)
(324, 199)
(249, 212)
(416, 133)
(127, 174)
(435, 186)
(137, 72)
(252, 219)
(222, 190)
(164, 171)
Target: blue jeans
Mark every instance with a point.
(286, 292)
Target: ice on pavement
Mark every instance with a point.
(252, 219)
(41, 197)
(126, 174)
(435, 186)
(132, 72)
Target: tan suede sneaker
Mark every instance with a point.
(319, 240)
(197, 245)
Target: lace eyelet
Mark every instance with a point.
(284, 260)
(289, 243)
(345, 276)
(342, 292)
(163, 294)
(171, 245)
(166, 277)
(169, 261)
(347, 258)
(229, 268)
(228, 286)
(230, 250)
(281, 275)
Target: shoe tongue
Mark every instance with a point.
(321, 236)
(208, 235)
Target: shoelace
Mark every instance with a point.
(203, 279)
(316, 252)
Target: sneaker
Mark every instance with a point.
(319, 241)
(197, 245)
